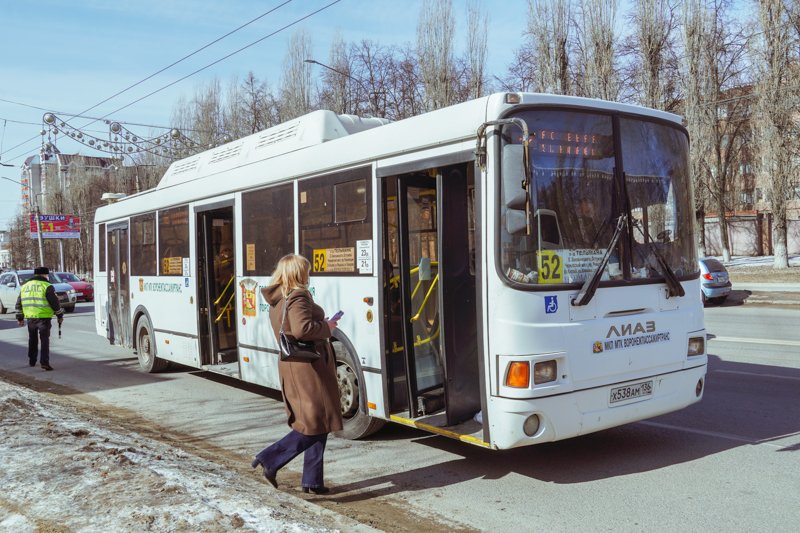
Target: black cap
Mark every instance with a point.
(41, 271)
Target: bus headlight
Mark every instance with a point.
(544, 372)
(697, 346)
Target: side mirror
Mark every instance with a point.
(513, 172)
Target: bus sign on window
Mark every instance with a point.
(334, 260)
(550, 267)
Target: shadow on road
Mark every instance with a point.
(735, 298)
(744, 405)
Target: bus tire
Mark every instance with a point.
(357, 424)
(145, 348)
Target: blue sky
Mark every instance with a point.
(66, 56)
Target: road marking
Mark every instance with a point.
(752, 340)
(715, 434)
(776, 376)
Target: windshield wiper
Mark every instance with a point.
(673, 284)
(590, 285)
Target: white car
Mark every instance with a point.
(10, 283)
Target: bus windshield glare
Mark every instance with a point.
(581, 186)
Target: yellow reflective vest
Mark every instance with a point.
(34, 300)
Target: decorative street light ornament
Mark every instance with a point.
(175, 133)
(115, 127)
(49, 118)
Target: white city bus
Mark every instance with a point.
(513, 270)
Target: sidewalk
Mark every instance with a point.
(766, 287)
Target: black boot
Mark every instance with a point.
(270, 476)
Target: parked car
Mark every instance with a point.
(715, 284)
(10, 282)
(83, 289)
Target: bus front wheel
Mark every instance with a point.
(145, 348)
(357, 424)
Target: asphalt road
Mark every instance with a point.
(729, 463)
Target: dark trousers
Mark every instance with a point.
(39, 328)
(275, 457)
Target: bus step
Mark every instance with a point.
(430, 402)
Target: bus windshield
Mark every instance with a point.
(579, 193)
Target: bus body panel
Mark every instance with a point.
(609, 347)
(586, 411)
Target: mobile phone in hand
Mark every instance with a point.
(337, 316)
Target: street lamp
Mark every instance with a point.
(370, 94)
(38, 221)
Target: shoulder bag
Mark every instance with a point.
(293, 350)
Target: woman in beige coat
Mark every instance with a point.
(310, 390)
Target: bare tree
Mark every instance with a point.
(405, 94)
(542, 63)
(334, 93)
(477, 28)
(295, 92)
(695, 110)
(435, 32)
(777, 110)
(719, 113)
(653, 47)
(597, 77)
(256, 106)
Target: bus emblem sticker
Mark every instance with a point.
(550, 304)
(249, 287)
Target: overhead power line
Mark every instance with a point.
(226, 57)
(187, 56)
(142, 80)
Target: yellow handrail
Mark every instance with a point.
(221, 294)
(425, 300)
(227, 307)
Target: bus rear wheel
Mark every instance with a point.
(357, 424)
(145, 348)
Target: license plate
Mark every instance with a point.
(629, 392)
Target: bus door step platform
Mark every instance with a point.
(229, 356)
(229, 369)
(430, 402)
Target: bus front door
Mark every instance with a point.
(119, 302)
(216, 290)
(429, 296)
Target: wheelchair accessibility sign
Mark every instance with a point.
(550, 304)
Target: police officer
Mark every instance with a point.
(38, 303)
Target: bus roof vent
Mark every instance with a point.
(277, 134)
(225, 152)
(185, 166)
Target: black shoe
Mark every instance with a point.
(270, 476)
(317, 490)
(47, 367)
(31, 363)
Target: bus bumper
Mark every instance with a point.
(585, 411)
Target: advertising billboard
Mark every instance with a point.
(57, 226)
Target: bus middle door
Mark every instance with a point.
(119, 302)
